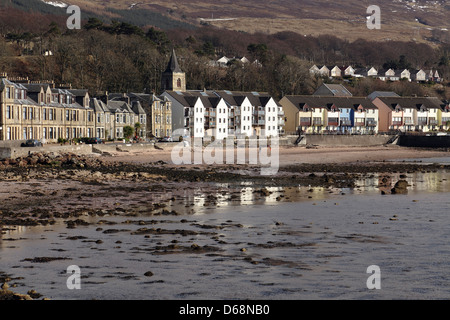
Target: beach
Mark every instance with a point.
(289, 155)
(80, 210)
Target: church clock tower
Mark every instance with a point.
(173, 79)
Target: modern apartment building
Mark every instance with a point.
(220, 114)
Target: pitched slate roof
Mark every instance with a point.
(412, 102)
(137, 108)
(210, 98)
(328, 101)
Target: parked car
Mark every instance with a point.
(31, 143)
(166, 139)
(94, 141)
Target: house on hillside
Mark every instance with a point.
(335, 72)
(418, 75)
(387, 74)
(314, 70)
(222, 62)
(324, 71)
(432, 75)
(365, 72)
(403, 74)
(347, 71)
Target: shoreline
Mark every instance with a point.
(71, 188)
(289, 155)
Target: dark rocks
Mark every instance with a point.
(44, 259)
(401, 187)
(78, 222)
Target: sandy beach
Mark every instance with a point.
(289, 155)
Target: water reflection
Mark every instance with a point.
(418, 182)
(204, 200)
(199, 201)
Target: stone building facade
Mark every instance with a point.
(41, 111)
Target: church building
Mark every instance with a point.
(173, 78)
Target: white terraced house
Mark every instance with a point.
(221, 114)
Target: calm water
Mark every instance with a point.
(309, 248)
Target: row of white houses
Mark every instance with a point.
(222, 113)
(418, 75)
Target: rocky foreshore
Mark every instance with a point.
(42, 189)
(41, 196)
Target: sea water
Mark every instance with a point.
(312, 247)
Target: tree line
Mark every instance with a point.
(122, 57)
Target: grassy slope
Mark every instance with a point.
(345, 19)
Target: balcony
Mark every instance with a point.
(345, 122)
(305, 121)
(333, 122)
(371, 123)
(409, 122)
(397, 123)
(433, 122)
(422, 123)
(280, 112)
(317, 123)
(261, 122)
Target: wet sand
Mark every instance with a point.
(112, 199)
(289, 155)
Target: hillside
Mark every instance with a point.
(115, 51)
(417, 20)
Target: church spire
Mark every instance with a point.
(173, 78)
(173, 65)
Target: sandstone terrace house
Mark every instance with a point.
(41, 111)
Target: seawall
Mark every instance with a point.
(424, 141)
(346, 140)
